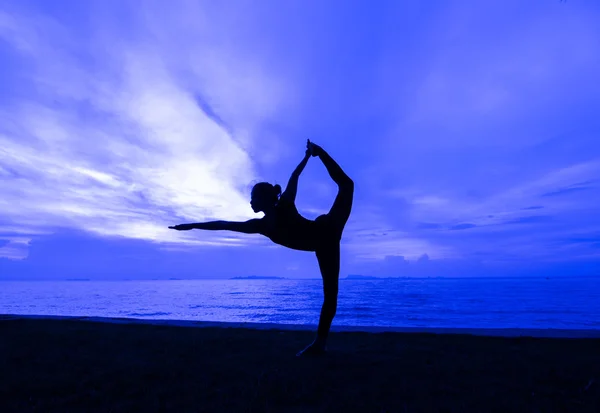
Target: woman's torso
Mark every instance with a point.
(286, 227)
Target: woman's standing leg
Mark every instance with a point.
(329, 264)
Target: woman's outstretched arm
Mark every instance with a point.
(292, 187)
(252, 226)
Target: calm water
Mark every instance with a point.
(477, 303)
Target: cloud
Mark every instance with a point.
(112, 141)
(462, 226)
(78, 254)
(481, 118)
(534, 219)
(427, 225)
(566, 191)
(14, 248)
(494, 226)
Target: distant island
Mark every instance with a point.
(257, 277)
(78, 279)
(360, 277)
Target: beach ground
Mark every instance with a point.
(78, 366)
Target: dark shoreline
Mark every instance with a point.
(487, 332)
(67, 365)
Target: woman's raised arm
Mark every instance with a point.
(292, 187)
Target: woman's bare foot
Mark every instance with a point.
(313, 148)
(314, 349)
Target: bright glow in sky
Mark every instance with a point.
(470, 128)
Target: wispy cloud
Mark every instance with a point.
(110, 140)
(462, 226)
(501, 221)
(15, 248)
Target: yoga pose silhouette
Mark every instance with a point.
(283, 224)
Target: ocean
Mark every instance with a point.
(564, 303)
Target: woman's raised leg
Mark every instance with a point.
(342, 206)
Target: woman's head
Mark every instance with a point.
(264, 196)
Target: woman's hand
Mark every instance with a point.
(312, 148)
(183, 227)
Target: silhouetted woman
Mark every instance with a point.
(285, 226)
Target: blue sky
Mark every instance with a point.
(470, 128)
